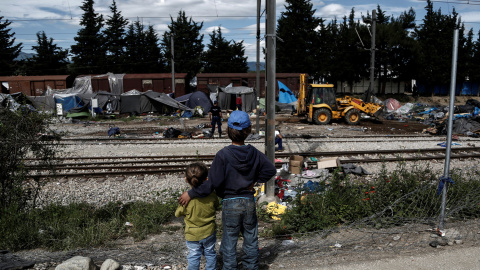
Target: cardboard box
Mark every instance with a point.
(296, 158)
(328, 163)
(295, 164)
(295, 170)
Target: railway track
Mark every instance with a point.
(300, 138)
(69, 167)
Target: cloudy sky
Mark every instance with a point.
(237, 18)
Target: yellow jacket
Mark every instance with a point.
(199, 217)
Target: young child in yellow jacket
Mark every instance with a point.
(200, 227)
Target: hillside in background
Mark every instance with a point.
(23, 56)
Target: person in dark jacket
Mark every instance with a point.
(215, 114)
(233, 173)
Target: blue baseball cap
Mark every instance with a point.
(238, 120)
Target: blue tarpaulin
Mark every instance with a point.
(68, 101)
(285, 95)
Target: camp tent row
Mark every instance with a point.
(78, 100)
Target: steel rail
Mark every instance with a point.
(178, 168)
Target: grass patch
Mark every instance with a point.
(58, 227)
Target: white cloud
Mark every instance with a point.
(209, 30)
(470, 17)
(332, 10)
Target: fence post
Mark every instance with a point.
(446, 172)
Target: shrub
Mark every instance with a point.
(392, 199)
(25, 134)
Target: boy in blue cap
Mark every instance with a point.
(233, 173)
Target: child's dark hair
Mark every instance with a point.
(196, 173)
(238, 135)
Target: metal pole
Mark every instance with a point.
(257, 83)
(173, 64)
(446, 172)
(270, 103)
(372, 56)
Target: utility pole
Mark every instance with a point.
(173, 63)
(257, 82)
(372, 57)
(270, 95)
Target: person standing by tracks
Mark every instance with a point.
(200, 227)
(233, 173)
(215, 114)
(238, 102)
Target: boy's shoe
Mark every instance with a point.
(280, 150)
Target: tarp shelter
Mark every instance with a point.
(68, 101)
(227, 96)
(8, 102)
(136, 102)
(213, 90)
(279, 107)
(43, 103)
(285, 95)
(197, 98)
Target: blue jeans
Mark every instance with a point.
(216, 120)
(279, 142)
(239, 215)
(206, 247)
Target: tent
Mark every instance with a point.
(227, 95)
(68, 101)
(105, 97)
(285, 95)
(136, 102)
(43, 103)
(197, 98)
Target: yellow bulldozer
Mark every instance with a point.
(319, 103)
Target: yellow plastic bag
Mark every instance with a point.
(275, 210)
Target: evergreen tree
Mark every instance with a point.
(324, 50)
(188, 45)
(115, 40)
(403, 47)
(296, 51)
(435, 39)
(350, 61)
(465, 55)
(143, 52)
(131, 49)
(49, 59)
(394, 56)
(222, 56)
(89, 52)
(475, 68)
(8, 51)
(153, 58)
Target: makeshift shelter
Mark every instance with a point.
(227, 95)
(285, 95)
(43, 103)
(104, 98)
(135, 102)
(68, 101)
(197, 98)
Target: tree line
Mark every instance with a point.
(330, 51)
(114, 44)
(340, 50)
